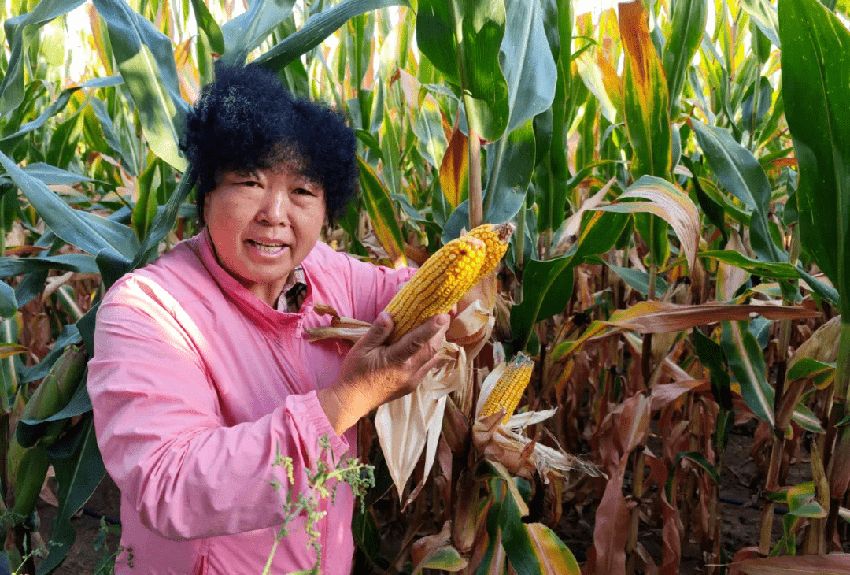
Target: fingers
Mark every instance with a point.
(381, 329)
(424, 340)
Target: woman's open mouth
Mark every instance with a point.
(269, 248)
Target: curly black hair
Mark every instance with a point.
(247, 120)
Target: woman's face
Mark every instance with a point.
(263, 224)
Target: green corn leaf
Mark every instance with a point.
(145, 58)
(381, 212)
(317, 28)
(80, 263)
(805, 418)
(645, 96)
(808, 367)
(547, 285)
(711, 355)
(89, 232)
(79, 469)
(639, 280)
(245, 32)
(21, 31)
(687, 25)
(740, 173)
(8, 301)
(462, 40)
(775, 270)
(816, 89)
(766, 18)
(746, 360)
(209, 26)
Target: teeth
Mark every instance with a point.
(267, 247)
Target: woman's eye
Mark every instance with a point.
(303, 192)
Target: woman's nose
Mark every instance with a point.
(274, 208)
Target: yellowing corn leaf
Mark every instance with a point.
(592, 77)
(821, 346)
(553, 557)
(834, 564)
(729, 277)
(659, 317)
(454, 169)
(9, 349)
(668, 202)
(436, 552)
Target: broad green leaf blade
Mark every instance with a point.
(8, 301)
(209, 26)
(816, 89)
(806, 418)
(51, 175)
(746, 360)
(530, 73)
(645, 98)
(20, 31)
(740, 173)
(639, 280)
(765, 17)
(145, 58)
(808, 367)
(687, 26)
(381, 212)
(317, 28)
(89, 232)
(775, 270)
(462, 39)
(80, 263)
(544, 290)
(428, 127)
(78, 471)
(245, 32)
(527, 63)
(710, 353)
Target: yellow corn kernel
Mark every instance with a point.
(509, 389)
(495, 237)
(438, 285)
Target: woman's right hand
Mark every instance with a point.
(374, 373)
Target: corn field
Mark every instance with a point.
(677, 173)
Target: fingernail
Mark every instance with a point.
(442, 320)
(383, 320)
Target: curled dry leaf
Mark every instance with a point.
(660, 317)
(797, 565)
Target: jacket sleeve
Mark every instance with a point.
(374, 286)
(162, 436)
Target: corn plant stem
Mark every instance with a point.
(646, 349)
(840, 460)
(519, 250)
(476, 211)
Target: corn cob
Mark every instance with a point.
(495, 237)
(438, 285)
(509, 389)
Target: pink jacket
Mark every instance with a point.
(196, 385)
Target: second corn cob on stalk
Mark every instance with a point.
(509, 388)
(447, 276)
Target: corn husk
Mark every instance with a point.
(412, 424)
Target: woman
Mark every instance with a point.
(202, 374)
